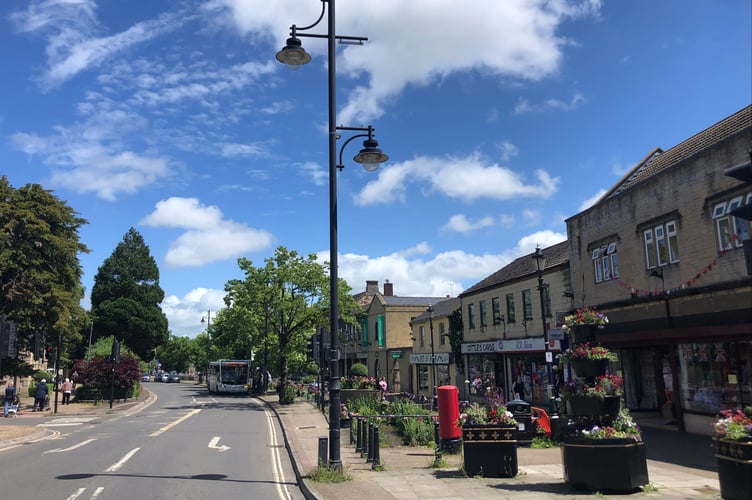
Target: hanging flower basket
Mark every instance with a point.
(579, 334)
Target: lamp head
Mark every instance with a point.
(540, 259)
(370, 156)
(293, 55)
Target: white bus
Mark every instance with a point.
(229, 376)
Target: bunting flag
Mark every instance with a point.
(685, 284)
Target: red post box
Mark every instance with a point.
(449, 412)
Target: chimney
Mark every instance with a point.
(388, 289)
(372, 287)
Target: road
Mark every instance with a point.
(188, 444)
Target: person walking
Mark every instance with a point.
(40, 395)
(67, 389)
(10, 396)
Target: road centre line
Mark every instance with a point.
(173, 424)
(116, 466)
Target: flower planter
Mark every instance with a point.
(589, 367)
(611, 406)
(616, 464)
(580, 334)
(734, 459)
(489, 450)
(585, 406)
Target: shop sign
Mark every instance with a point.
(481, 347)
(396, 354)
(441, 358)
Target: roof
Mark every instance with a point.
(441, 309)
(393, 300)
(658, 160)
(523, 266)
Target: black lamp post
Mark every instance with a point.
(540, 264)
(293, 55)
(433, 358)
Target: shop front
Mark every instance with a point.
(510, 368)
(424, 367)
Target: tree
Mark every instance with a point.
(456, 337)
(176, 354)
(278, 306)
(40, 274)
(126, 296)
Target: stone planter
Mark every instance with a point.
(489, 450)
(608, 465)
(734, 459)
(580, 334)
(589, 368)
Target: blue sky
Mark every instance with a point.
(501, 119)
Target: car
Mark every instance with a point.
(163, 377)
(145, 377)
(173, 377)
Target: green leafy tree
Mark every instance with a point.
(176, 354)
(40, 273)
(278, 306)
(126, 296)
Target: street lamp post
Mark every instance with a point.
(540, 264)
(433, 358)
(370, 156)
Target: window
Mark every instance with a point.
(422, 336)
(471, 316)
(482, 311)
(732, 231)
(442, 333)
(496, 310)
(611, 251)
(661, 245)
(423, 377)
(510, 307)
(527, 304)
(650, 248)
(364, 332)
(597, 265)
(546, 302)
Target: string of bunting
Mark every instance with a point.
(686, 284)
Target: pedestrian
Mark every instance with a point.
(40, 395)
(519, 389)
(67, 389)
(10, 396)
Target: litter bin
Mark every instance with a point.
(523, 414)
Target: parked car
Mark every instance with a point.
(163, 377)
(145, 377)
(173, 377)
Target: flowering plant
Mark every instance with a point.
(605, 385)
(734, 424)
(623, 426)
(492, 412)
(586, 351)
(356, 382)
(585, 316)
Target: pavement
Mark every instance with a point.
(680, 465)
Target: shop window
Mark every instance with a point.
(715, 376)
(482, 312)
(613, 256)
(510, 307)
(471, 316)
(422, 377)
(496, 310)
(527, 304)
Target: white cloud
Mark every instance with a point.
(461, 224)
(591, 201)
(209, 237)
(516, 40)
(466, 178)
(524, 106)
(184, 314)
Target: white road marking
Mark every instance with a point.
(277, 469)
(97, 492)
(59, 450)
(66, 421)
(115, 467)
(76, 494)
(213, 444)
(173, 424)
